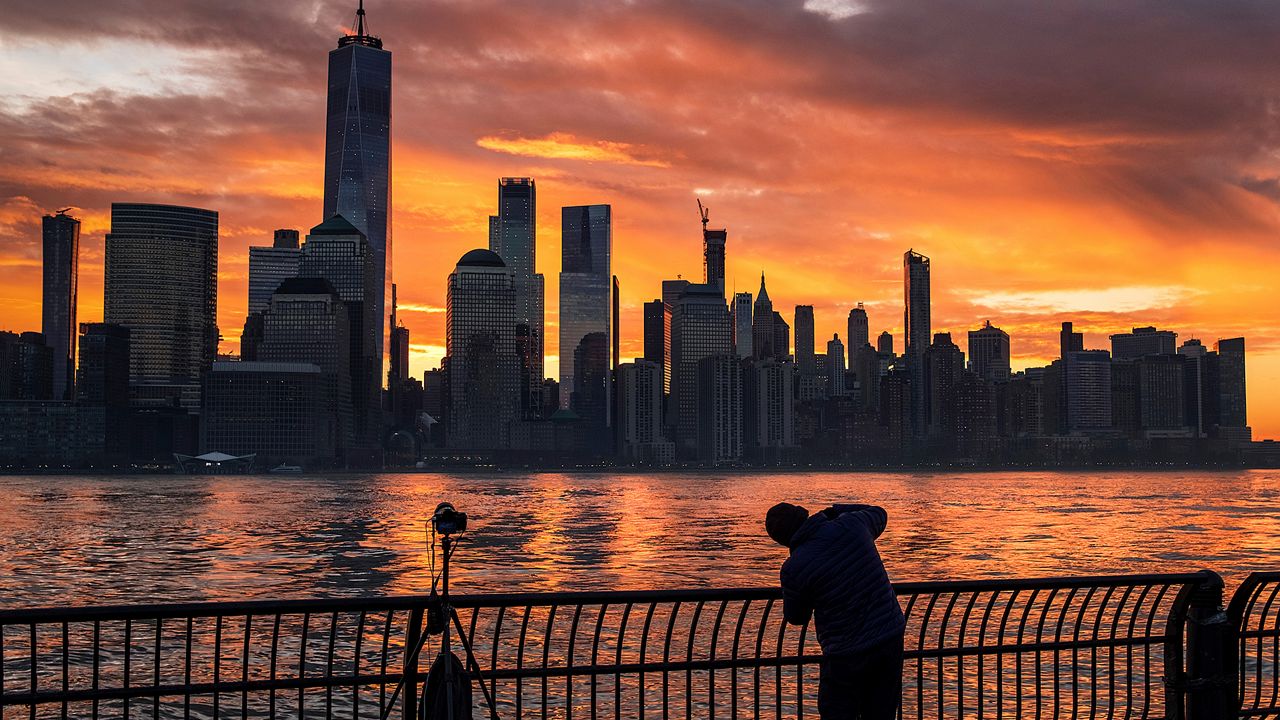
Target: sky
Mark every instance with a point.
(1114, 164)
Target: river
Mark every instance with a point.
(108, 540)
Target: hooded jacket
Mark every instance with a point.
(835, 573)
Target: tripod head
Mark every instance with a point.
(448, 521)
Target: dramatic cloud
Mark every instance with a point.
(1113, 164)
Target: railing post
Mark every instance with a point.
(1211, 652)
(412, 634)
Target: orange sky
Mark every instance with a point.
(1074, 162)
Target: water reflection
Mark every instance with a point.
(76, 540)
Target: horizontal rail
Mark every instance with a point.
(1106, 646)
(1254, 613)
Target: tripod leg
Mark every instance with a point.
(475, 665)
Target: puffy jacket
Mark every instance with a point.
(836, 574)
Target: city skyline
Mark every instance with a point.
(1205, 290)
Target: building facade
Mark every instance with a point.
(740, 324)
(269, 409)
(484, 368)
(586, 298)
(989, 353)
(60, 262)
(719, 409)
(513, 236)
(162, 284)
(271, 265)
(806, 363)
(1143, 341)
(699, 329)
(917, 329)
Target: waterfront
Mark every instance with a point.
(96, 540)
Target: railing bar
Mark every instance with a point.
(644, 655)
(546, 658)
(155, 678)
(1275, 665)
(733, 677)
(1057, 654)
(570, 659)
(355, 665)
(942, 642)
(328, 667)
(1093, 657)
(497, 635)
(711, 676)
(1153, 609)
(777, 678)
(1017, 659)
(764, 623)
(617, 679)
(1044, 615)
(186, 701)
(1111, 657)
(386, 658)
(244, 666)
(964, 628)
(128, 657)
(1128, 656)
(688, 656)
(66, 663)
(924, 631)
(666, 659)
(982, 641)
(302, 662)
(1075, 657)
(275, 656)
(804, 633)
(231, 687)
(524, 630)
(217, 661)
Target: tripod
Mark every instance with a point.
(442, 678)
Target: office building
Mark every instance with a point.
(270, 266)
(640, 437)
(269, 409)
(339, 253)
(1162, 405)
(719, 407)
(884, 344)
(713, 242)
(1201, 385)
(357, 160)
(399, 353)
(762, 335)
(781, 338)
(307, 323)
(917, 328)
(60, 262)
(740, 324)
(944, 365)
(806, 364)
(513, 236)
(103, 375)
(1233, 416)
(989, 353)
(586, 303)
(657, 338)
(1141, 342)
(835, 368)
(26, 367)
(1087, 376)
(484, 364)
(768, 425)
(859, 334)
(162, 284)
(699, 329)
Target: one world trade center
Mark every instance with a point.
(357, 157)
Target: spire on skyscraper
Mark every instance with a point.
(361, 36)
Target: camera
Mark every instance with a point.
(447, 520)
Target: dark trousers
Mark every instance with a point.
(866, 686)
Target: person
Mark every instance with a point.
(835, 573)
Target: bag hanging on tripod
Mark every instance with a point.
(447, 673)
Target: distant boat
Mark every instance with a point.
(283, 469)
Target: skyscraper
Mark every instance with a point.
(719, 408)
(781, 338)
(762, 336)
(1143, 341)
(484, 398)
(699, 329)
(805, 362)
(1232, 404)
(640, 436)
(399, 347)
(740, 323)
(884, 343)
(835, 367)
(859, 335)
(357, 161)
(989, 353)
(586, 246)
(338, 252)
(161, 283)
(713, 242)
(58, 308)
(768, 409)
(270, 266)
(657, 338)
(513, 236)
(917, 330)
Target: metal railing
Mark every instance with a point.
(1062, 647)
(1255, 618)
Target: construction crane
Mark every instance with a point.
(704, 212)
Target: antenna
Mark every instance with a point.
(360, 20)
(704, 213)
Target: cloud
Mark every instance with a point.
(1129, 299)
(563, 146)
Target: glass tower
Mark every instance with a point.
(917, 329)
(586, 248)
(162, 284)
(61, 257)
(270, 266)
(483, 357)
(357, 163)
(513, 236)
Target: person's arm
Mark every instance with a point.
(796, 606)
(839, 509)
(872, 516)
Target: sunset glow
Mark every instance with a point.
(1061, 161)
